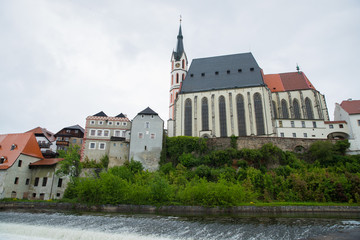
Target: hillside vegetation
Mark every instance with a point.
(191, 174)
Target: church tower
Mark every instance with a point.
(179, 66)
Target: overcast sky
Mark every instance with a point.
(63, 60)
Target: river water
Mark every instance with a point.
(44, 226)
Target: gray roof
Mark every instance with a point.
(76, 127)
(222, 72)
(100, 114)
(147, 111)
(121, 115)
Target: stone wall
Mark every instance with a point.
(286, 144)
(182, 210)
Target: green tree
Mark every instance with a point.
(70, 166)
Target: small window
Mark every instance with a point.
(27, 182)
(314, 124)
(13, 147)
(2, 160)
(216, 73)
(358, 122)
(114, 145)
(303, 124)
(294, 135)
(282, 134)
(110, 123)
(203, 74)
(74, 141)
(239, 70)
(124, 123)
(44, 181)
(68, 131)
(99, 133)
(60, 182)
(228, 71)
(117, 123)
(117, 133)
(92, 145)
(331, 126)
(152, 136)
(106, 133)
(141, 135)
(145, 148)
(102, 146)
(100, 122)
(92, 122)
(251, 69)
(191, 75)
(19, 163)
(92, 132)
(292, 124)
(76, 131)
(67, 139)
(313, 135)
(280, 124)
(147, 124)
(16, 180)
(57, 194)
(305, 135)
(341, 126)
(36, 182)
(59, 138)
(34, 195)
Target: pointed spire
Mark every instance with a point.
(179, 46)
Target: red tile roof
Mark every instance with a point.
(351, 106)
(287, 82)
(47, 162)
(39, 130)
(25, 144)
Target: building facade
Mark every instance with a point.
(230, 95)
(349, 111)
(146, 139)
(72, 135)
(106, 136)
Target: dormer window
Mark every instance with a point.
(13, 147)
(2, 159)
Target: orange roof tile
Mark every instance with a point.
(47, 162)
(287, 82)
(39, 130)
(25, 144)
(351, 106)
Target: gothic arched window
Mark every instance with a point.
(183, 63)
(205, 114)
(296, 109)
(172, 79)
(177, 78)
(188, 117)
(274, 109)
(222, 115)
(284, 107)
(241, 115)
(259, 115)
(309, 110)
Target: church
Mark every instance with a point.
(230, 95)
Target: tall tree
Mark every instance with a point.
(71, 165)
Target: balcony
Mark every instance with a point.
(62, 143)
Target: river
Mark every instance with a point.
(43, 226)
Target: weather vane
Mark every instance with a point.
(180, 18)
(297, 68)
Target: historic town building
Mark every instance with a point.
(146, 139)
(106, 136)
(349, 111)
(230, 95)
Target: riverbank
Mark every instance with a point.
(189, 210)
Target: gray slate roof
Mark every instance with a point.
(179, 46)
(76, 127)
(121, 115)
(222, 72)
(100, 114)
(147, 111)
